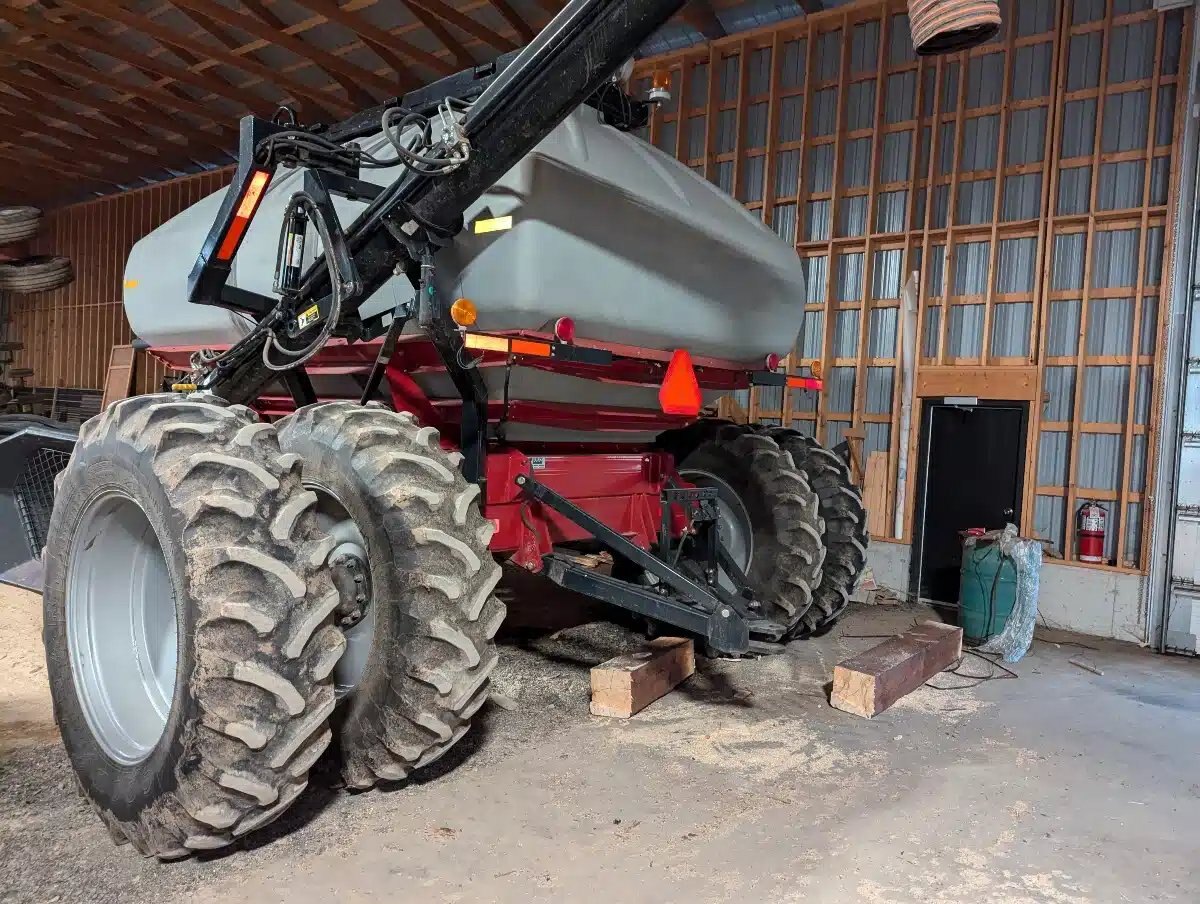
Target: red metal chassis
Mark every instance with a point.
(618, 483)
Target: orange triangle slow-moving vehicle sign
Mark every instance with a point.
(680, 392)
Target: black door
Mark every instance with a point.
(970, 472)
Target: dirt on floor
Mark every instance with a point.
(1059, 787)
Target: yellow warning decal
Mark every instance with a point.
(308, 317)
(494, 224)
(131, 284)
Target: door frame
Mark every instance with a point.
(924, 443)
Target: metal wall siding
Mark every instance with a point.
(665, 141)
(1148, 334)
(783, 221)
(981, 137)
(1131, 52)
(975, 203)
(849, 280)
(933, 329)
(965, 338)
(723, 176)
(1033, 17)
(1022, 197)
(864, 48)
(1058, 383)
(819, 173)
(1141, 402)
(890, 210)
(1032, 65)
(897, 157)
(971, 264)
(856, 165)
(1121, 185)
(756, 125)
(813, 330)
(816, 272)
(1016, 267)
(948, 102)
(794, 70)
(839, 389)
(1052, 457)
(900, 49)
(770, 398)
(1026, 140)
(1110, 326)
(727, 81)
(1137, 464)
(1078, 128)
(881, 338)
(1115, 259)
(726, 129)
(1126, 121)
(1074, 190)
(860, 105)
(885, 274)
(1099, 465)
(816, 221)
(1048, 520)
(1011, 324)
(791, 123)
(1062, 331)
(1160, 180)
(900, 97)
(879, 390)
(751, 188)
(758, 75)
(937, 267)
(853, 217)
(698, 89)
(1133, 533)
(829, 55)
(845, 334)
(1105, 394)
(985, 80)
(787, 174)
(878, 438)
(1067, 268)
(695, 137)
(1083, 60)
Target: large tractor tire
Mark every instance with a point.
(845, 536)
(18, 224)
(769, 518)
(187, 623)
(36, 274)
(421, 617)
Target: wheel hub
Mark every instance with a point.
(352, 577)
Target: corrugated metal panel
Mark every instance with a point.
(860, 105)
(923, 145)
(1068, 259)
(1048, 522)
(787, 174)
(900, 96)
(879, 390)
(1160, 180)
(698, 90)
(853, 216)
(897, 157)
(1058, 383)
(971, 263)
(756, 125)
(1141, 402)
(839, 390)
(850, 277)
(1131, 51)
(919, 205)
(695, 137)
(965, 339)
(981, 137)
(816, 221)
(1172, 41)
(933, 330)
(1078, 128)
(1011, 324)
(885, 278)
(845, 335)
(1154, 255)
(808, 428)
(1052, 457)
(1124, 7)
(877, 439)
(1099, 463)
(890, 210)
(816, 276)
(856, 164)
(1126, 121)
(1133, 533)
(949, 99)
(829, 55)
(666, 137)
(726, 131)
(941, 205)
(881, 338)
(835, 432)
(937, 269)
(793, 71)
(1026, 142)
(1083, 60)
(783, 221)
(1148, 332)
(985, 80)
(820, 168)
(1110, 326)
(976, 202)
(1017, 265)
(1105, 394)
(1062, 331)
(945, 149)
(1033, 18)
(791, 126)
(900, 49)
(1164, 125)
(814, 332)
(758, 78)
(727, 79)
(1074, 190)
(1115, 259)
(1031, 71)
(864, 48)
(770, 398)
(1137, 464)
(722, 176)
(1021, 197)
(752, 179)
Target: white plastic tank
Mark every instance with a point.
(607, 230)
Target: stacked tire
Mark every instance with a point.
(30, 274)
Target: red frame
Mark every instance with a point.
(618, 483)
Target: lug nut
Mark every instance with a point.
(358, 578)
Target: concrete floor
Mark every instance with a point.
(1061, 786)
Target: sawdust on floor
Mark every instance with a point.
(26, 716)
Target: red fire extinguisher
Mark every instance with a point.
(1090, 525)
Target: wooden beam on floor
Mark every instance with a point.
(627, 684)
(867, 684)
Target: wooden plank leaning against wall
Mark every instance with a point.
(937, 180)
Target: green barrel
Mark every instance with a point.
(986, 592)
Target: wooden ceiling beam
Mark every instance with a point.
(110, 10)
(29, 159)
(460, 53)
(354, 78)
(381, 38)
(811, 7)
(513, 18)
(111, 141)
(466, 24)
(700, 15)
(114, 49)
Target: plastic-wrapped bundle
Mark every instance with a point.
(1013, 642)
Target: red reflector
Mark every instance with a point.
(805, 383)
(243, 214)
(680, 393)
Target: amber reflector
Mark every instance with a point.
(680, 392)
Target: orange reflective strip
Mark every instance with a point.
(486, 343)
(526, 347)
(245, 211)
(804, 383)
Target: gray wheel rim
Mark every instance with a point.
(122, 629)
(334, 518)
(737, 534)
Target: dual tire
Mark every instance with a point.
(190, 605)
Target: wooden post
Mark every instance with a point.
(870, 682)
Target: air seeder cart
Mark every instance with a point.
(477, 324)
